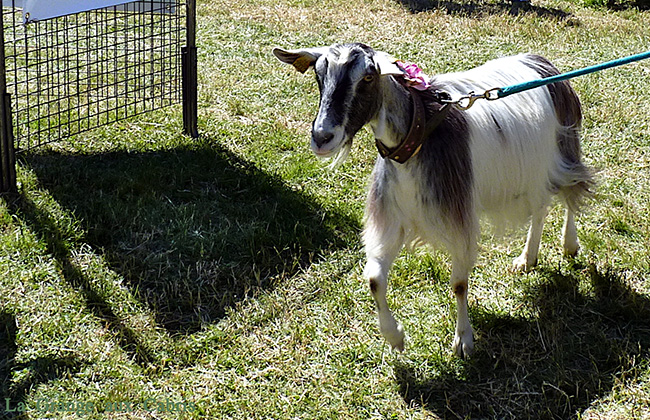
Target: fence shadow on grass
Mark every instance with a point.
(191, 230)
(43, 369)
(478, 8)
(551, 368)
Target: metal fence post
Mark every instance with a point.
(7, 152)
(190, 85)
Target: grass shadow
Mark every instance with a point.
(619, 5)
(552, 367)
(192, 230)
(480, 9)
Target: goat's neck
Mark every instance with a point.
(392, 122)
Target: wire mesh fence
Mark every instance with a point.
(73, 73)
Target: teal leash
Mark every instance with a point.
(503, 92)
(467, 101)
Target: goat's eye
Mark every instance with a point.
(369, 78)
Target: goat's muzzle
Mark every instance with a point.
(326, 139)
(322, 137)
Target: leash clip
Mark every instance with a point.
(465, 102)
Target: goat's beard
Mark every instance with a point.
(342, 154)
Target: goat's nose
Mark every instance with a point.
(322, 137)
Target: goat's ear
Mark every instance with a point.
(302, 59)
(385, 64)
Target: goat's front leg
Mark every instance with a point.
(380, 254)
(464, 337)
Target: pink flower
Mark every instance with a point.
(414, 76)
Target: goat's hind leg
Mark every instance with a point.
(381, 252)
(528, 257)
(570, 235)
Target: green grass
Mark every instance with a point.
(221, 277)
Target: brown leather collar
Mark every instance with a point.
(418, 133)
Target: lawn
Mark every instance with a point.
(148, 275)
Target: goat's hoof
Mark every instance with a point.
(463, 346)
(399, 346)
(570, 251)
(395, 337)
(521, 264)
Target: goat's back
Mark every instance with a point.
(520, 151)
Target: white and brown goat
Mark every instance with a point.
(506, 158)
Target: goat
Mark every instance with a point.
(506, 158)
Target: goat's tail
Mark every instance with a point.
(578, 189)
(574, 181)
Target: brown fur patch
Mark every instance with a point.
(373, 286)
(460, 289)
(567, 108)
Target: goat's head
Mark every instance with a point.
(349, 78)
